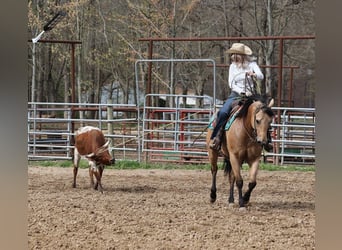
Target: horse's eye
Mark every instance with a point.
(258, 121)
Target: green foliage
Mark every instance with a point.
(136, 165)
(57, 163)
(271, 167)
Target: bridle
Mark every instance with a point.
(253, 135)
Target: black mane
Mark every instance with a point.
(249, 100)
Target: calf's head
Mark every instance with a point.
(102, 155)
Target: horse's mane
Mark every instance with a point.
(251, 99)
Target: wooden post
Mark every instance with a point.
(110, 124)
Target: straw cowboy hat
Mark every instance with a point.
(240, 48)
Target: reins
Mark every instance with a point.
(249, 80)
(254, 131)
(206, 127)
(253, 136)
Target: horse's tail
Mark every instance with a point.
(227, 166)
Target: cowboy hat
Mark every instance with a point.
(240, 48)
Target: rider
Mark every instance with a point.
(242, 66)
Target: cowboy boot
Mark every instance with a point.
(215, 143)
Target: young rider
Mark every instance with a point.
(242, 64)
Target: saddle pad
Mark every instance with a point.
(212, 121)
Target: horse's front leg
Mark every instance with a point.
(213, 155)
(236, 166)
(247, 195)
(251, 185)
(239, 184)
(213, 185)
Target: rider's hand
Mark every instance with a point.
(251, 73)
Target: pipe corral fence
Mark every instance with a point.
(174, 135)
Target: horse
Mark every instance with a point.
(242, 142)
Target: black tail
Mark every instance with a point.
(227, 166)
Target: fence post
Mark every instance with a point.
(110, 124)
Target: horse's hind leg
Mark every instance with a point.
(228, 171)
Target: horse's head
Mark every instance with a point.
(261, 121)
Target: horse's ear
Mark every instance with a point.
(270, 104)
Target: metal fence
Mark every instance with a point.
(158, 134)
(51, 128)
(294, 136)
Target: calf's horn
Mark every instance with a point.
(90, 155)
(270, 104)
(106, 144)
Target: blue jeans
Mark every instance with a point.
(223, 113)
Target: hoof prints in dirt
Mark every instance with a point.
(169, 209)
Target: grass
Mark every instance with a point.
(125, 164)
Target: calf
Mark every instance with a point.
(90, 142)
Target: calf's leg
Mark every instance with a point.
(97, 171)
(77, 158)
(100, 170)
(92, 168)
(101, 167)
(98, 184)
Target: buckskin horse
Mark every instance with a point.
(242, 142)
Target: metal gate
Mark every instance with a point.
(176, 134)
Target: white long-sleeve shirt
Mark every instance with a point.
(236, 78)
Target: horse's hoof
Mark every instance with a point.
(245, 201)
(242, 209)
(212, 197)
(231, 205)
(100, 188)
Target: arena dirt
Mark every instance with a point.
(167, 209)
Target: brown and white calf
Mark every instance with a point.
(90, 142)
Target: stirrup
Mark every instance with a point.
(215, 144)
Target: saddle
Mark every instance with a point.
(236, 107)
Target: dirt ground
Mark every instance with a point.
(167, 209)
